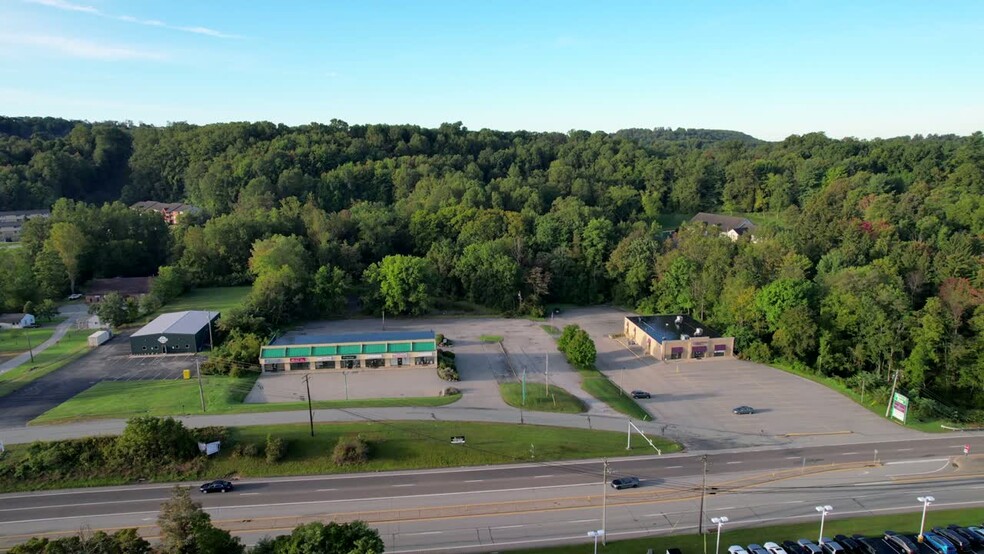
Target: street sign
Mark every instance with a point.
(900, 405)
(162, 340)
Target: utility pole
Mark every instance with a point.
(604, 499)
(891, 396)
(30, 348)
(211, 343)
(307, 383)
(524, 386)
(201, 388)
(546, 373)
(384, 319)
(703, 483)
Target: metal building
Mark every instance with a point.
(175, 333)
(387, 349)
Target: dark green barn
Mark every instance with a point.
(175, 333)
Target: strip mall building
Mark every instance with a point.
(382, 350)
(676, 337)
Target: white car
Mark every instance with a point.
(774, 548)
(75, 296)
(737, 549)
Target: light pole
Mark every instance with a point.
(595, 535)
(926, 500)
(720, 521)
(824, 510)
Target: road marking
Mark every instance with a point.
(425, 533)
(978, 487)
(673, 467)
(541, 476)
(509, 527)
(325, 490)
(732, 463)
(248, 493)
(793, 457)
(905, 449)
(582, 521)
(474, 480)
(404, 485)
(917, 461)
(849, 453)
(82, 504)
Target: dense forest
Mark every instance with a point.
(867, 262)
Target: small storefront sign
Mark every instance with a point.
(298, 360)
(900, 405)
(350, 357)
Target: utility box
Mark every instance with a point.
(187, 374)
(98, 338)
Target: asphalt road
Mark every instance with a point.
(429, 510)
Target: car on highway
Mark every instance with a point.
(737, 549)
(637, 394)
(756, 549)
(774, 548)
(743, 410)
(808, 545)
(956, 539)
(625, 483)
(901, 543)
(938, 543)
(216, 486)
(830, 546)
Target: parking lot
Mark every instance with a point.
(110, 362)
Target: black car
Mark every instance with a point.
(901, 543)
(958, 540)
(216, 486)
(850, 545)
(625, 483)
(972, 537)
(871, 546)
(640, 394)
(743, 410)
(792, 548)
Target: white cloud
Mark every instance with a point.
(69, 6)
(77, 48)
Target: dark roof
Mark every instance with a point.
(379, 336)
(11, 319)
(122, 285)
(23, 213)
(178, 323)
(672, 327)
(164, 206)
(725, 222)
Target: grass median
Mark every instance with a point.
(70, 347)
(539, 400)
(601, 387)
(871, 526)
(223, 395)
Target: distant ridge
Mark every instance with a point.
(660, 134)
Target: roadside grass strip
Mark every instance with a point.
(601, 387)
(539, 400)
(15, 341)
(73, 345)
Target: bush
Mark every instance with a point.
(246, 450)
(566, 336)
(450, 391)
(581, 350)
(448, 374)
(350, 450)
(276, 449)
(153, 441)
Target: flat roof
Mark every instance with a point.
(179, 323)
(662, 328)
(349, 338)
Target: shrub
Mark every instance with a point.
(581, 350)
(246, 450)
(350, 450)
(276, 449)
(566, 336)
(155, 441)
(448, 374)
(450, 391)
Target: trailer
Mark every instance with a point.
(98, 338)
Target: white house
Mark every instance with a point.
(16, 321)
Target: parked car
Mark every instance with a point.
(872, 545)
(830, 546)
(973, 538)
(808, 545)
(625, 483)
(901, 543)
(793, 548)
(850, 545)
(74, 296)
(978, 531)
(956, 539)
(216, 486)
(756, 549)
(640, 394)
(737, 549)
(774, 548)
(743, 410)
(938, 543)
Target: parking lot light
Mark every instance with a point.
(720, 521)
(824, 510)
(595, 535)
(926, 500)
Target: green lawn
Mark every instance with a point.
(398, 445)
(871, 526)
(601, 387)
(537, 399)
(490, 338)
(551, 330)
(14, 341)
(73, 345)
(215, 299)
(223, 395)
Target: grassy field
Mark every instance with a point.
(216, 299)
(872, 526)
(601, 387)
(14, 341)
(73, 345)
(223, 395)
(424, 444)
(537, 399)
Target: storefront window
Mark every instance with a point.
(374, 363)
(324, 365)
(423, 361)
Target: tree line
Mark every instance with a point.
(866, 264)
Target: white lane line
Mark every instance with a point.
(732, 463)
(794, 457)
(424, 533)
(917, 461)
(404, 485)
(76, 517)
(978, 487)
(582, 521)
(849, 453)
(474, 480)
(792, 502)
(82, 504)
(248, 493)
(509, 527)
(673, 467)
(905, 449)
(541, 476)
(325, 490)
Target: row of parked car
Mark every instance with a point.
(941, 540)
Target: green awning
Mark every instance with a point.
(374, 348)
(424, 346)
(298, 351)
(350, 349)
(274, 353)
(324, 350)
(399, 347)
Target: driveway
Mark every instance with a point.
(72, 312)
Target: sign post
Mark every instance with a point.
(900, 407)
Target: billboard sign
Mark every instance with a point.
(900, 406)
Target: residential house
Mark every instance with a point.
(170, 211)
(11, 223)
(16, 321)
(731, 227)
(128, 287)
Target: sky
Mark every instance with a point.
(861, 68)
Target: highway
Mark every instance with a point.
(485, 508)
